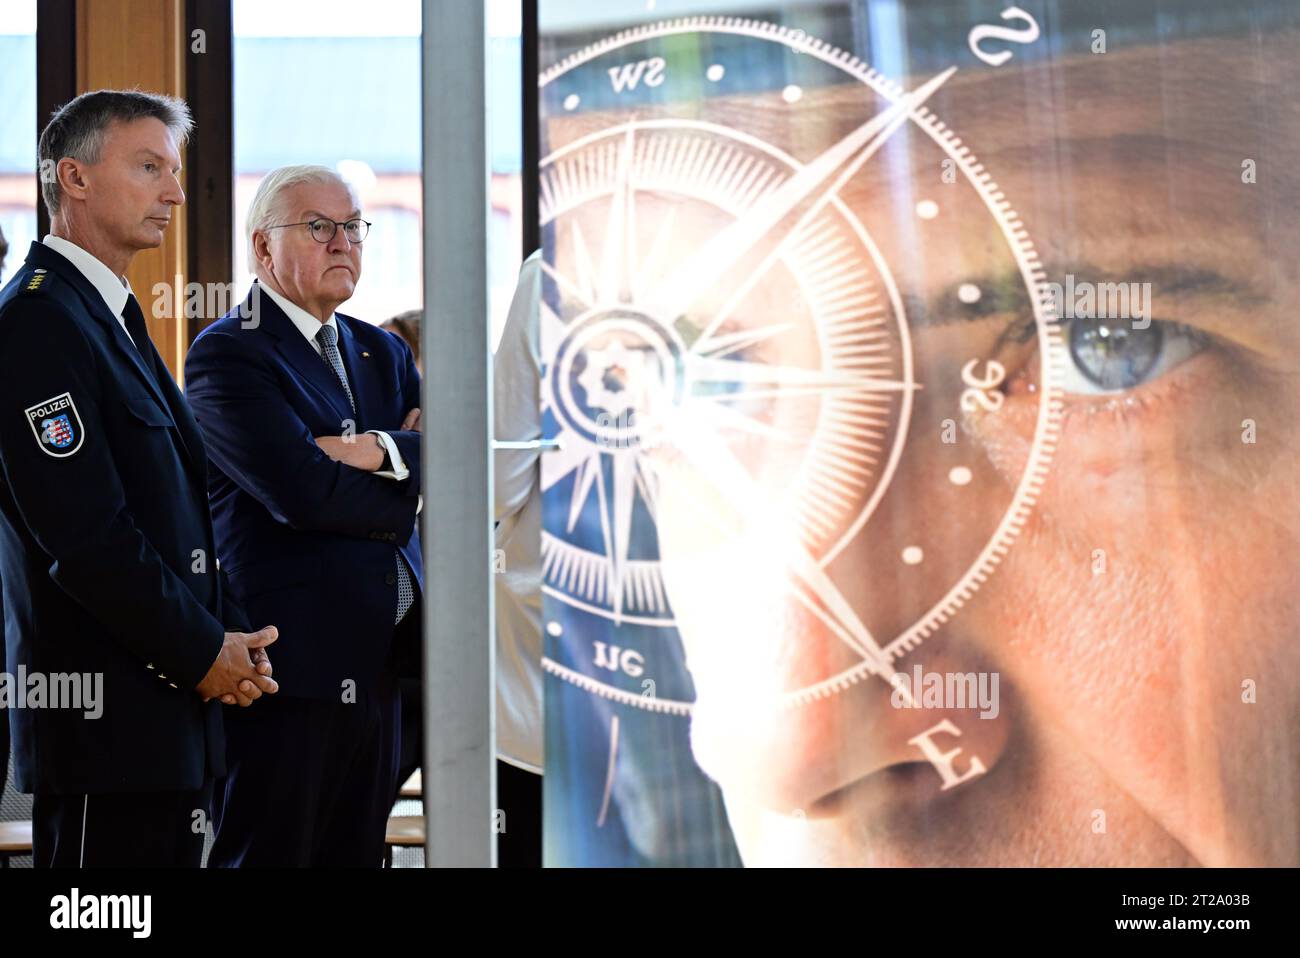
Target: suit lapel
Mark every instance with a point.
(300, 354)
(158, 386)
(42, 255)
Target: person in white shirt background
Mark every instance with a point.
(518, 578)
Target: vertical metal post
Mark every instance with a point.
(528, 43)
(459, 681)
(56, 79)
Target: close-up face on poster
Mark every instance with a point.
(924, 380)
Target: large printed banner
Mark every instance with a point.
(924, 375)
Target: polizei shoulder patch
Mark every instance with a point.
(56, 426)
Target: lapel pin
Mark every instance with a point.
(365, 355)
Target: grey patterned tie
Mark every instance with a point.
(329, 351)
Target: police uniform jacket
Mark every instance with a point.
(107, 556)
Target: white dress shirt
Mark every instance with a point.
(113, 289)
(310, 326)
(517, 490)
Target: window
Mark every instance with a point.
(337, 84)
(18, 192)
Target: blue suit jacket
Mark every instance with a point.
(306, 541)
(106, 545)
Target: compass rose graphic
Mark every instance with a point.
(714, 298)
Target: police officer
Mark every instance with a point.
(106, 543)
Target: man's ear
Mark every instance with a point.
(262, 249)
(71, 176)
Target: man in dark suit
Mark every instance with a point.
(107, 552)
(311, 421)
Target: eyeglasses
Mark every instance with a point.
(323, 230)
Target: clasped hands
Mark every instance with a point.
(242, 671)
(367, 454)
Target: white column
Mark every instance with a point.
(459, 685)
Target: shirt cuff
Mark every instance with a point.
(399, 470)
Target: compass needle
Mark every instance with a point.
(567, 285)
(624, 490)
(724, 417)
(720, 466)
(582, 485)
(620, 228)
(651, 264)
(717, 347)
(588, 278)
(680, 291)
(704, 369)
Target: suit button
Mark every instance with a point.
(391, 578)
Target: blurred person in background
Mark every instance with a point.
(518, 509)
(406, 326)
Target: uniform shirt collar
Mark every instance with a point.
(307, 324)
(112, 289)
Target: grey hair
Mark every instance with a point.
(76, 130)
(266, 201)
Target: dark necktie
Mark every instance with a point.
(135, 325)
(327, 337)
(162, 377)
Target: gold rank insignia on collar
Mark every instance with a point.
(37, 278)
